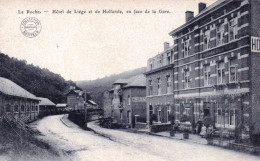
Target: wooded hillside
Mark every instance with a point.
(40, 82)
(96, 88)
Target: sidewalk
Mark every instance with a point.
(178, 136)
(66, 121)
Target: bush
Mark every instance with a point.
(141, 119)
(153, 118)
(172, 118)
(161, 127)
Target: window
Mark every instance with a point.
(168, 113)
(177, 112)
(168, 81)
(32, 108)
(121, 115)
(226, 117)
(150, 88)
(159, 61)
(186, 47)
(221, 73)
(206, 38)
(128, 116)
(186, 78)
(220, 34)
(151, 65)
(150, 110)
(233, 71)
(159, 86)
(232, 117)
(233, 29)
(36, 108)
(8, 108)
(129, 100)
(206, 75)
(28, 110)
(187, 111)
(168, 58)
(22, 108)
(16, 108)
(159, 114)
(112, 114)
(219, 115)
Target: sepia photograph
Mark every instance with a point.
(130, 80)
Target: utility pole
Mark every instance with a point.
(85, 110)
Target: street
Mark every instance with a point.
(115, 145)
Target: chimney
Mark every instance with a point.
(189, 15)
(166, 45)
(202, 6)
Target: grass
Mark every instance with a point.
(19, 145)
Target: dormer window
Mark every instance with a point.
(168, 58)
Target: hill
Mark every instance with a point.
(40, 82)
(97, 87)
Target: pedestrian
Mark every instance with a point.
(203, 131)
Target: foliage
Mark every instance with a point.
(153, 117)
(172, 118)
(160, 127)
(141, 119)
(97, 87)
(40, 82)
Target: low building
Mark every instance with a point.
(61, 107)
(126, 100)
(159, 86)
(17, 102)
(75, 100)
(91, 104)
(46, 105)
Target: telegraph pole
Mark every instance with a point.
(85, 110)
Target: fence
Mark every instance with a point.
(160, 127)
(140, 125)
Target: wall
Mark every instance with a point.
(164, 99)
(21, 108)
(107, 103)
(255, 65)
(75, 101)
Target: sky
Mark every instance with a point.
(91, 46)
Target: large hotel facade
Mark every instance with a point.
(213, 67)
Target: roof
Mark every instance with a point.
(74, 91)
(46, 102)
(137, 81)
(61, 105)
(92, 102)
(121, 81)
(8, 87)
(203, 12)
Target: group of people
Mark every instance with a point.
(202, 130)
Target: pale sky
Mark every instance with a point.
(91, 46)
